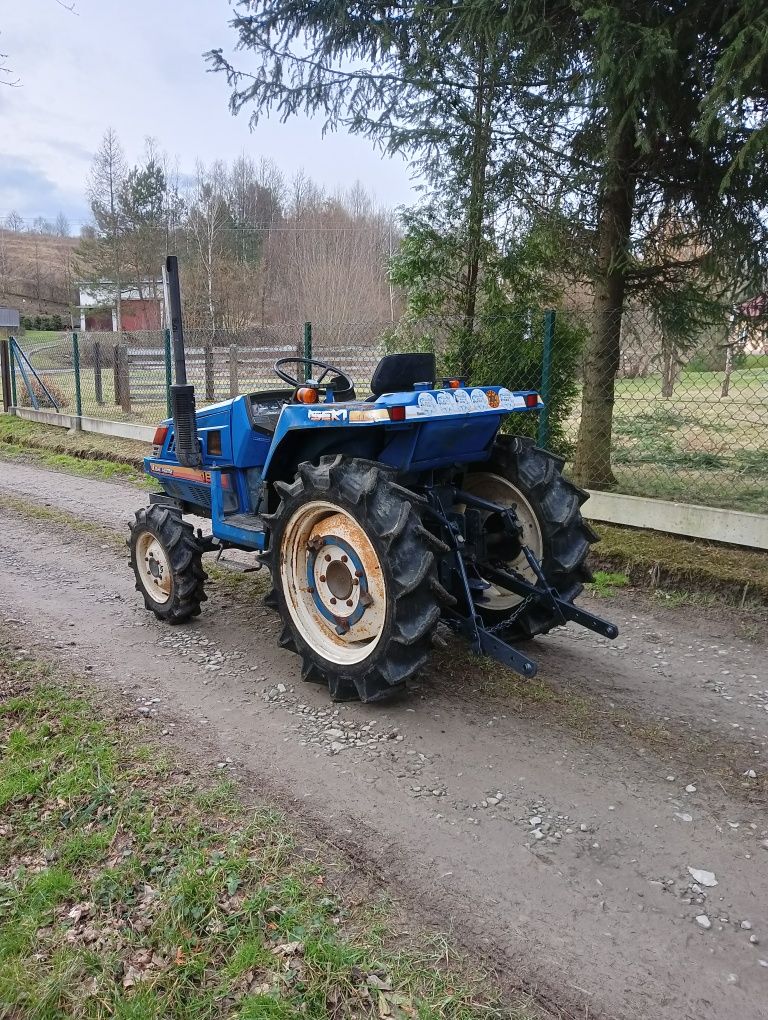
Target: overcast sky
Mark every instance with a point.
(137, 66)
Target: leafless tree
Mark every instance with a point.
(104, 255)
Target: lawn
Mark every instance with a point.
(136, 888)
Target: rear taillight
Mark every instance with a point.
(531, 400)
(397, 413)
(159, 439)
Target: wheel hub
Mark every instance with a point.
(337, 581)
(333, 582)
(153, 568)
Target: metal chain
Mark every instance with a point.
(508, 622)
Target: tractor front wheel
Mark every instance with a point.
(167, 564)
(354, 577)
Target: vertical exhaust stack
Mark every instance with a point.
(182, 394)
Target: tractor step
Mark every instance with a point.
(248, 522)
(244, 530)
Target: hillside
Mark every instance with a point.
(36, 271)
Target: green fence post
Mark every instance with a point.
(307, 344)
(78, 390)
(168, 372)
(12, 353)
(546, 377)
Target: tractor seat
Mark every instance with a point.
(399, 373)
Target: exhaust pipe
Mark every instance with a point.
(182, 394)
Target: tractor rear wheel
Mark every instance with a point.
(167, 563)
(548, 507)
(354, 577)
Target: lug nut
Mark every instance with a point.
(349, 602)
(328, 557)
(333, 602)
(355, 581)
(344, 559)
(322, 578)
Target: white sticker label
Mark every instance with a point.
(479, 400)
(462, 398)
(427, 404)
(506, 400)
(445, 402)
(518, 400)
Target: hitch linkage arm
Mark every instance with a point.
(483, 640)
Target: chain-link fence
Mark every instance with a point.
(681, 418)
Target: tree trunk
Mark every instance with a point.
(725, 388)
(668, 370)
(484, 96)
(592, 464)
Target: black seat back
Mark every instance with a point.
(396, 373)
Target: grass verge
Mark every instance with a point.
(133, 889)
(81, 453)
(650, 559)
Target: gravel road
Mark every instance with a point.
(561, 855)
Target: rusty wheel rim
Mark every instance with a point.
(153, 568)
(333, 583)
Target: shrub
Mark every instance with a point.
(507, 349)
(42, 397)
(56, 322)
(36, 322)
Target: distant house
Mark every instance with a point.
(751, 319)
(10, 321)
(138, 310)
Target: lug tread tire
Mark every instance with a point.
(566, 536)
(184, 554)
(390, 516)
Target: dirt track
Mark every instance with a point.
(597, 914)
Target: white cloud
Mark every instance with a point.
(139, 68)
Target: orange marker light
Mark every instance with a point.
(454, 383)
(306, 395)
(160, 433)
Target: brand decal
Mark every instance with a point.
(328, 414)
(185, 473)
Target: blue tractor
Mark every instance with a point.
(379, 517)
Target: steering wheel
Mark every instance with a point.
(338, 375)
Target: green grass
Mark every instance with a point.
(130, 888)
(604, 583)
(84, 454)
(695, 446)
